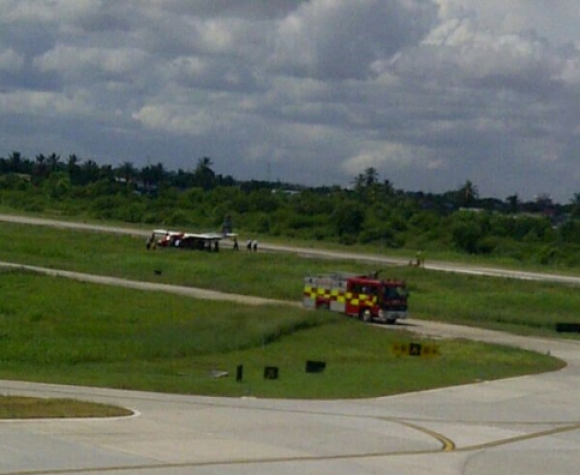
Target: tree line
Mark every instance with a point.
(370, 212)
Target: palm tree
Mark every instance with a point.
(73, 169)
(204, 176)
(467, 194)
(367, 179)
(15, 162)
(41, 166)
(72, 162)
(90, 172)
(204, 164)
(53, 162)
(513, 202)
(126, 171)
(388, 188)
(371, 177)
(153, 175)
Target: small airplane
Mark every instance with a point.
(181, 240)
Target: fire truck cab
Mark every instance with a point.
(365, 297)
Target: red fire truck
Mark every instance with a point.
(365, 297)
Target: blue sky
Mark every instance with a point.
(431, 93)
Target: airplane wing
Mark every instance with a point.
(204, 236)
(165, 238)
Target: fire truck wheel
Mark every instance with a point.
(365, 315)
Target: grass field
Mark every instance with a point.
(17, 407)
(57, 330)
(518, 306)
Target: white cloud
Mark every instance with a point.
(430, 93)
(556, 21)
(10, 60)
(338, 39)
(41, 103)
(389, 156)
(459, 51)
(220, 36)
(74, 61)
(570, 72)
(175, 120)
(30, 11)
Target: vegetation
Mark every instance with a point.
(370, 213)
(522, 306)
(57, 330)
(18, 407)
(77, 333)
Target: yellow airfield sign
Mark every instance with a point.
(416, 349)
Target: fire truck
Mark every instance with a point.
(365, 297)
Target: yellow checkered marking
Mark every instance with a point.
(339, 296)
(314, 292)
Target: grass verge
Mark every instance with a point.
(61, 331)
(529, 308)
(18, 407)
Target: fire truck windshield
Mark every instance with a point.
(395, 293)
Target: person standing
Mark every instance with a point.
(420, 259)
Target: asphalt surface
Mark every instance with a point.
(375, 259)
(527, 425)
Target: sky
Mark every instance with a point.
(430, 93)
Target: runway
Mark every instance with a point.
(313, 252)
(526, 425)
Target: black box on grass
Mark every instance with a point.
(315, 366)
(240, 373)
(568, 327)
(271, 372)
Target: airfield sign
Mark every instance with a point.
(416, 349)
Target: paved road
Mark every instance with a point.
(523, 425)
(375, 259)
(150, 286)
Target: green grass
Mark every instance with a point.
(60, 331)
(434, 251)
(524, 307)
(18, 407)
(520, 306)
(277, 276)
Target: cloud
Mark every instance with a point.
(340, 39)
(177, 120)
(43, 103)
(429, 92)
(89, 63)
(388, 156)
(458, 52)
(10, 60)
